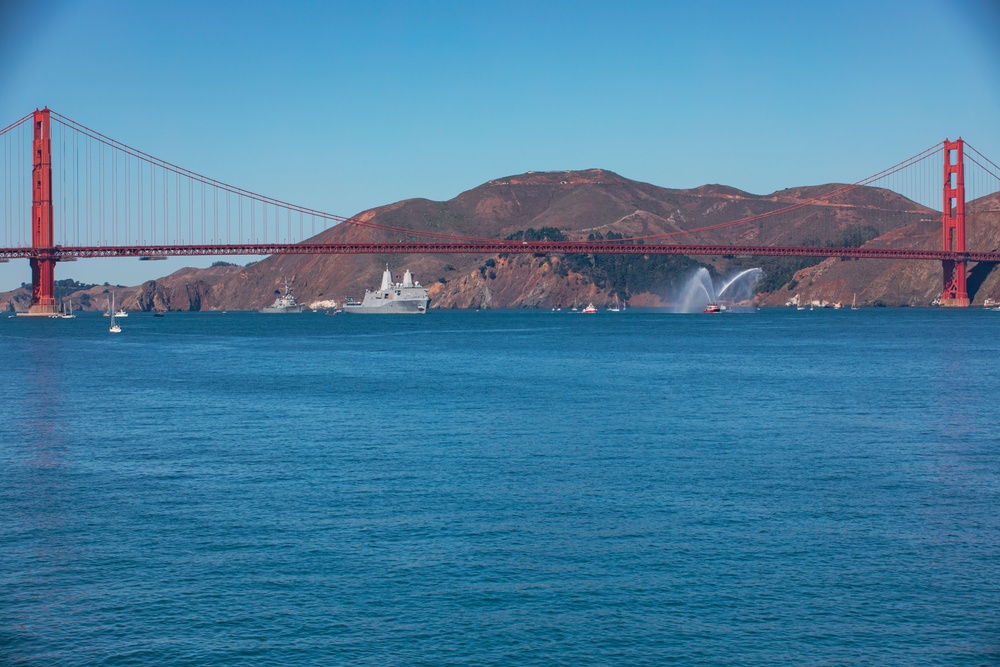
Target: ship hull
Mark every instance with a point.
(279, 309)
(390, 307)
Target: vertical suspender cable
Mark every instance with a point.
(65, 231)
(76, 185)
(114, 193)
(89, 194)
(128, 200)
(6, 189)
(20, 180)
(138, 202)
(8, 228)
(6, 193)
(152, 202)
(103, 222)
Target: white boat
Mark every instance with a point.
(854, 302)
(115, 327)
(120, 313)
(615, 308)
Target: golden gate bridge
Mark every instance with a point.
(112, 200)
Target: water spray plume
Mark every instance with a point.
(700, 291)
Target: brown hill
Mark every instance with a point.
(580, 204)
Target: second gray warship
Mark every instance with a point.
(285, 303)
(405, 297)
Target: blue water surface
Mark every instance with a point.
(502, 488)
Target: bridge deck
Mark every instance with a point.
(65, 253)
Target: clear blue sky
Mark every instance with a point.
(342, 106)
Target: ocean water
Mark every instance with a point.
(502, 488)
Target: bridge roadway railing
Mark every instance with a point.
(63, 253)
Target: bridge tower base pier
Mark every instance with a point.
(954, 292)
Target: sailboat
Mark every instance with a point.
(115, 327)
(64, 314)
(854, 302)
(615, 308)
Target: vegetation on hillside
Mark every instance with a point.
(63, 288)
(618, 274)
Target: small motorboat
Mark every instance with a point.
(589, 309)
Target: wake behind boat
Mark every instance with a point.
(407, 297)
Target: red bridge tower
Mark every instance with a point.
(43, 261)
(953, 224)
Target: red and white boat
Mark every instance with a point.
(712, 308)
(589, 309)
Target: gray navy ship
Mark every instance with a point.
(285, 303)
(405, 297)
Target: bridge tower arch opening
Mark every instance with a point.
(43, 260)
(954, 291)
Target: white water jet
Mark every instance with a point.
(741, 285)
(700, 290)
